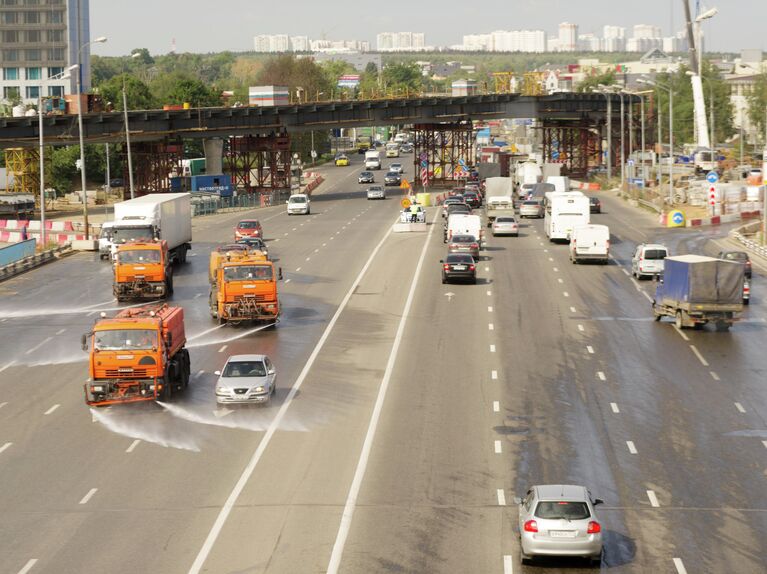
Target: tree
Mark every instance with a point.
(287, 70)
(138, 94)
(605, 79)
(757, 104)
(178, 88)
(144, 58)
(402, 76)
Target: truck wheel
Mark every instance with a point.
(678, 321)
(169, 284)
(722, 326)
(167, 391)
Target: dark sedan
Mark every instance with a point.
(595, 206)
(459, 266)
(740, 256)
(472, 199)
(366, 177)
(464, 244)
(392, 178)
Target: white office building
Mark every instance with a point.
(299, 43)
(568, 37)
(272, 43)
(400, 41)
(613, 39)
(589, 43)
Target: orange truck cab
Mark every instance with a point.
(142, 270)
(138, 355)
(245, 289)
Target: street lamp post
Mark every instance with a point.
(670, 134)
(99, 40)
(642, 122)
(609, 131)
(127, 133)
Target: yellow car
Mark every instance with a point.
(342, 160)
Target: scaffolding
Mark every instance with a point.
(502, 82)
(533, 84)
(22, 170)
(576, 145)
(154, 163)
(445, 149)
(259, 162)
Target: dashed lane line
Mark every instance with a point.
(497, 446)
(51, 410)
(61, 331)
(614, 407)
(28, 566)
(714, 376)
(88, 496)
(590, 349)
(681, 334)
(490, 327)
(572, 310)
(508, 564)
(489, 309)
(653, 499)
(581, 328)
(222, 349)
(496, 406)
(565, 294)
(501, 497)
(5, 447)
(494, 375)
(601, 376)
(631, 447)
(40, 344)
(740, 408)
(695, 350)
(561, 280)
(680, 566)
(492, 350)
(3, 404)
(133, 446)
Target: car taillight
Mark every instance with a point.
(608, 244)
(474, 246)
(471, 267)
(453, 246)
(532, 526)
(446, 267)
(594, 528)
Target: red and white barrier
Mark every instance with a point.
(58, 238)
(10, 224)
(719, 219)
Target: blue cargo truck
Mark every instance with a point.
(695, 290)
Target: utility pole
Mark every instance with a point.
(690, 36)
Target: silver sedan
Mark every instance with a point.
(246, 379)
(505, 226)
(559, 520)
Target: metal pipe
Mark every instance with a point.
(42, 165)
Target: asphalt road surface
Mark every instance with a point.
(408, 416)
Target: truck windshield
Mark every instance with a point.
(125, 234)
(248, 273)
(125, 339)
(138, 256)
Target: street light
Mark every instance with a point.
(670, 133)
(99, 40)
(641, 97)
(62, 76)
(609, 129)
(127, 131)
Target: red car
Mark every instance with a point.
(248, 228)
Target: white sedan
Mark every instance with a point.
(246, 379)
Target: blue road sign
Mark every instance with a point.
(677, 218)
(712, 177)
(423, 156)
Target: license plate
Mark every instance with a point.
(459, 267)
(562, 533)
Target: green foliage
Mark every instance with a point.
(757, 104)
(591, 82)
(137, 92)
(63, 174)
(286, 70)
(402, 76)
(179, 87)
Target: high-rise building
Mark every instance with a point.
(40, 40)
(400, 41)
(613, 39)
(589, 43)
(647, 31)
(299, 43)
(568, 37)
(385, 41)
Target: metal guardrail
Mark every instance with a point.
(209, 204)
(739, 235)
(28, 263)
(649, 205)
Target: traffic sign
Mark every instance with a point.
(712, 195)
(405, 203)
(423, 156)
(677, 218)
(712, 177)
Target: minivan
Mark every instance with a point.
(590, 243)
(647, 260)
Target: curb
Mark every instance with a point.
(22, 265)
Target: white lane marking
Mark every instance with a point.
(28, 566)
(316, 250)
(697, 354)
(287, 281)
(199, 373)
(494, 375)
(61, 331)
(489, 293)
(198, 295)
(714, 376)
(222, 349)
(133, 446)
(614, 407)
(551, 259)
(556, 270)
(490, 326)
(561, 280)
(487, 269)
(740, 408)
(284, 234)
(2, 405)
(653, 499)
(636, 284)
(7, 366)
(541, 243)
(496, 406)
(88, 496)
(501, 497)
(572, 310)
(646, 296)
(489, 309)
(331, 239)
(566, 294)
(276, 240)
(40, 344)
(295, 228)
(545, 250)
(5, 447)
(51, 410)
(497, 446)
(764, 442)
(580, 328)
(632, 448)
(508, 564)
(626, 272)
(681, 334)
(590, 349)
(359, 474)
(601, 376)
(324, 244)
(492, 348)
(680, 566)
(298, 269)
(308, 258)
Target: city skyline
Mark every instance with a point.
(729, 31)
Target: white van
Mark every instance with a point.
(463, 224)
(590, 243)
(105, 240)
(564, 212)
(648, 260)
(561, 183)
(299, 203)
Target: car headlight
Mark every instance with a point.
(259, 389)
(221, 391)
(97, 388)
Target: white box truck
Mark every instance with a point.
(499, 198)
(564, 212)
(373, 159)
(166, 216)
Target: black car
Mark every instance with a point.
(459, 266)
(392, 178)
(472, 199)
(741, 256)
(366, 177)
(254, 243)
(595, 206)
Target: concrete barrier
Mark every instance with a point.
(27, 263)
(85, 245)
(17, 252)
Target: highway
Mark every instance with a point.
(409, 413)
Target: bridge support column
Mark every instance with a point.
(444, 147)
(576, 145)
(154, 164)
(259, 162)
(214, 156)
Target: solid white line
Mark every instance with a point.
(714, 376)
(222, 349)
(625, 272)
(646, 296)
(653, 499)
(681, 334)
(359, 474)
(700, 357)
(28, 566)
(494, 375)
(50, 410)
(580, 328)
(636, 284)
(496, 406)
(680, 566)
(590, 349)
(132, 446)
(566, 294)
(61, 331)
(572, 310)
(489, 309)
(501, 497)
(5, 447)
(601, 376)
(497, 447)
(740, 408)
(7, 366)
(490, 326)
(492, 348)
(508, 564)
(632, 448)
(40, 344)
(614, 407)
(88, 496)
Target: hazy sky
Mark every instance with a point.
(212, 26)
